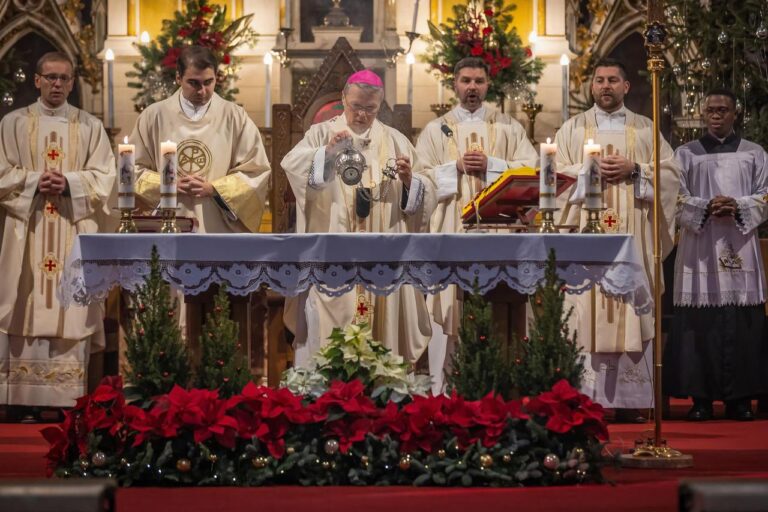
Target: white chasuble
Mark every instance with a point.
(44, 348)
(506, 145)
(616, 341)
(325, 204)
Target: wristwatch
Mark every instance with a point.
(635, 173)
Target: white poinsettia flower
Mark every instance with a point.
(358, 332)
(301, 381)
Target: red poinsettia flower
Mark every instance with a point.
(184, 32)
(206, 9)
(528, 52)
(423, 419)
(476, 50)
(348, 431)
(170, 59)
(226, 59)
(487, 31)
(488, 13)
(347, 396)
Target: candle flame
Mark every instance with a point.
(109, 55)
(590, 141)
(125, 140)
(549, 140)
(144, 38)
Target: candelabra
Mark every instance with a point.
(593, 221)
(548, 221)
(391, 59)
(281, 54)
(169, 220)
(127, 225)
(531, 109)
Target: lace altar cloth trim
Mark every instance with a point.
(336, 262)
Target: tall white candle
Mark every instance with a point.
(410, 60)
(594, 195)
(268, 90)
(415, 15)
(125, 175)
(548, 175)
(109, 56)
(440, 98)
(288, 19)
(168, 174)
(565, 63)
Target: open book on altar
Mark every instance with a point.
(513, 197)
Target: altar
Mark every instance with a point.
(335, 263)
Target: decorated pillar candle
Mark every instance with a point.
(168, 174)
(547, 175)
(594, 195)
(125, 173)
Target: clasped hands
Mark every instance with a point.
(722, 206)
(196, 186)
(472, 162)
(616, 168)
(402, 163)
(52, 183)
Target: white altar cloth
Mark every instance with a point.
(336, 262)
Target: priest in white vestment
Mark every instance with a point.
(56, 174)
(616, 341)
(392, 195)
(460, 172)
(223, 172)
(717, 349)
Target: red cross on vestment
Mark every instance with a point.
(53, 154)
(362, 309)
(49, 265)
(51, 208)
(610, 221)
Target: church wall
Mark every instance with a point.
(549, 18)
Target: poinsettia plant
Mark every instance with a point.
(352, 353)
(265, 436)
(201, 23)
(483, 29)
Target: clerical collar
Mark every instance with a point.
(463, 115)
(611, 120)
(60, 111)
(192, 111)
(712, 144)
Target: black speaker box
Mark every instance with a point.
(723, 495)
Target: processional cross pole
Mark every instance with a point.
(654, 453)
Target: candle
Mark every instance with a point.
(565, 62)
(594, 189)
(415, 15)
(288, 20)
(410, 60)
(547, 175)
(109, 56)
(168, 174)
(439, 91)
(268, 90)
(125, 166)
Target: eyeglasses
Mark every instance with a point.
(369, 111)
(717, 110)
(52, 78)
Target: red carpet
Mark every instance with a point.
(721, 449)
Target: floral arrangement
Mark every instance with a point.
(353, 354)
(265, 436)
(203, 23)
(483, 29)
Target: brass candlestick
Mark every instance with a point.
(440, 109)
(169, 220)
(532, 109)
(548, 220)
(126, 221)
(593, 221)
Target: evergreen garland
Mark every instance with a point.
(203, 23)
(155, 351)
(481, 364)
(550, 354)
(222, 365)
(483, 29)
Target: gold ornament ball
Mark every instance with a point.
(551, 461)
(213, 458)
(507, 458)
(259, 462)
(364, 460)
(290, 450)
(331, 446)
(486, 460)
(405, 463)
(84, 464)
(99, 459)
(123, 462)
(578, 453)
(441, 453)
(326, 465)
(184, 465)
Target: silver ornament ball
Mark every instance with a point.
(99, 459)
(551, 461)
(706, 64)
(677, 69)
(667, 109)
(19, 75)
(7, 99)
(331, 446)
(722, 37)
(762, 31)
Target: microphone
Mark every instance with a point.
(446, 130)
